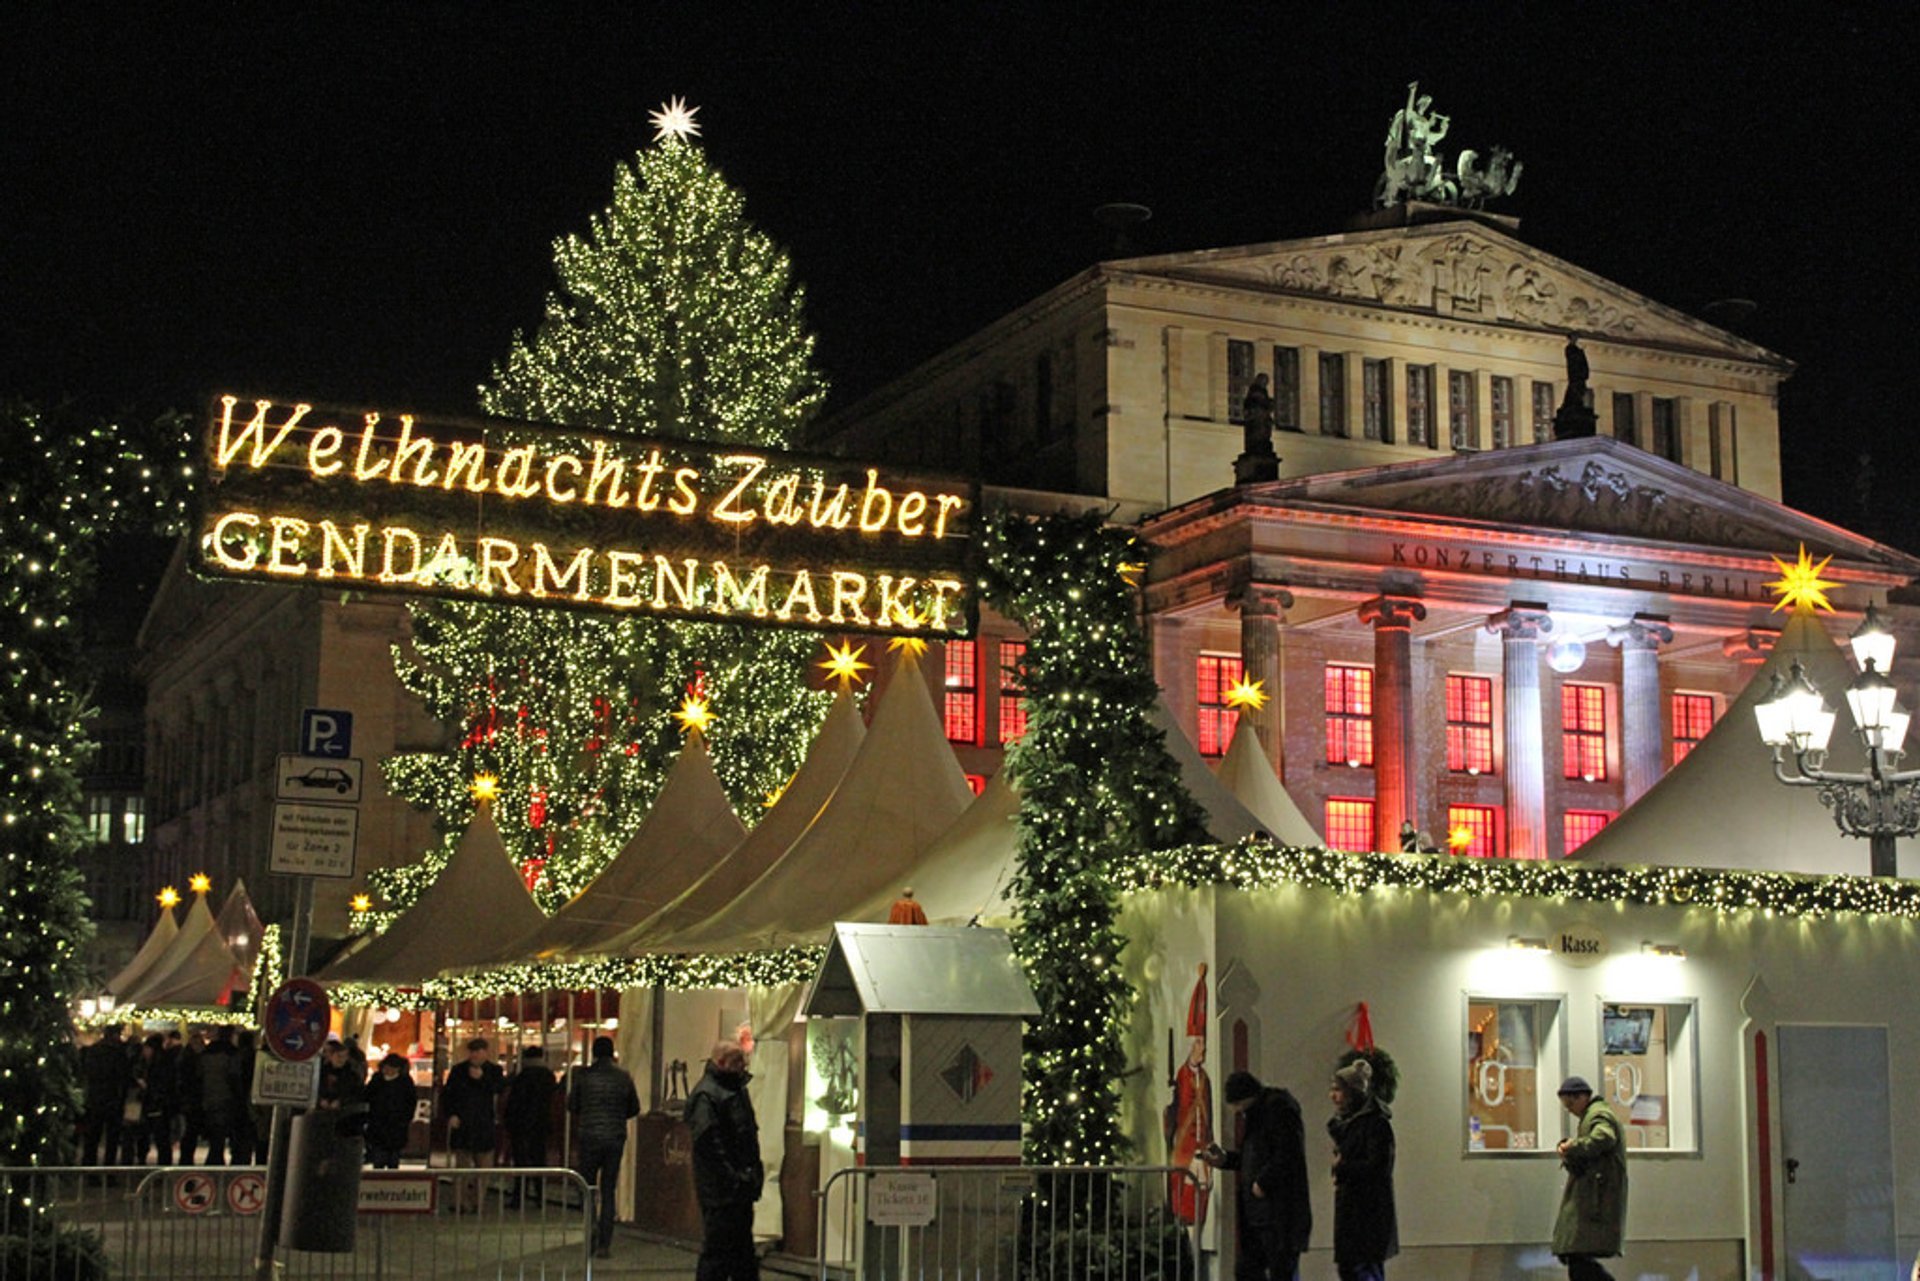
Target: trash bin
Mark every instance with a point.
(323, 1184)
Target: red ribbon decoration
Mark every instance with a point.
(1360, 1029)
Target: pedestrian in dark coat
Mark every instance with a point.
(602, 1099)
(1276, 1209)
(220, 1096)
(245, 1136)
(390, 1098)
(468, 1099)
(106, 1070)
(1592, 1222)
(529, 1113)
(1366, 1232)
(727, 1174)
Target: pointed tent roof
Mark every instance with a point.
(1227, 818)
(1721, 806)
(689, 828)
(967, 873)
(478, 896)
(198, 968)
(840, 736)
(903, 789)
(240, 925)
(164, 931)
(1248, 773)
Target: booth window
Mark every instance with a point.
(1583, 731)
(1647, 1070)
(961, 697)
(1013, 690)
(1577, 827)
(1692, 718)
(1216, 674)
(1350, 823)
(1349, 709)
(1470, 724)
(1514, 1058)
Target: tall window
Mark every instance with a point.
(1217, 674)
(1473, 830)
(1349, 823)
(1378, 423)
(1624, 427)
(133, 819)
(1349, 704)
(100, 818)
(1577, 827)
(1013, 690)
(1583, 731)
(1542, 412)
(1501, 390)
(1462, 431)
(1725, 442)
(1333, 394)
(1239, 378)
(1692, 718)
(1286, 388)
(1420, 406)
(1470, 724)
(1666, 427)
(960, 701)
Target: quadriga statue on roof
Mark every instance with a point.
(1414, 170)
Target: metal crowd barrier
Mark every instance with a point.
(1004, 1223)
(203, 1222)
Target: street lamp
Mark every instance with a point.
(1880, 804)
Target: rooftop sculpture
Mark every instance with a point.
(1416, 171)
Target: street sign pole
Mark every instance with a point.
(282, 1134)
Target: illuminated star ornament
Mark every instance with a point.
(773, 797)
(844, 665)
(1800, 587)
(912, 645)
(360, 903)
(485, 788)
(674, 120)
(169, 897)
(1247, 696)
(1460, 838)
(694, 714)
(200, 883)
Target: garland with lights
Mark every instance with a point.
(1098, 790)
(673, 316)
(675, 973)
(65, 484)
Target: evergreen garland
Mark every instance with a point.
(1098, 790)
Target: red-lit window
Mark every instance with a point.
(1349, 823)
(1692, 718)
(1473, 830)
(1578, 826)
(1013, 690)
(1470, 724)
(1583, 731)
(960, 701)
(1217, 674)
(1349, 715)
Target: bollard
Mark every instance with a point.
(323, 1184)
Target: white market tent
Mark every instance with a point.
(966, 875)
(1227, 819)
(689, 828)
(198, 968)
(1721, 805)
(478, 897)
(833, 749)
(164, 931)
(1248, 774)
(903, 789)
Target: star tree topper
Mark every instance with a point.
(1800, 587)
(1247, 696)
(674, 120)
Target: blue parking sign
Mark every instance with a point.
(325, 732)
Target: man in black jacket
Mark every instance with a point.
(107, 1070)
(727, 1174)
(1276, 1215)
(602, 1100)
(529, 1116)
(468, 1099)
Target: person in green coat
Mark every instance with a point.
(1593, 1208)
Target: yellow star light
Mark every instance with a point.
(1130, 571)
(1460, 838)
(200, 883)
(674, 120)
(484, 788)
(912, 645)
(169, 897)
(1246, 695)
(844, 664)
(1800, 587)
(773, 797)
(360, 903)
(694, 714)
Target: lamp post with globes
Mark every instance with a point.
(1880, 803)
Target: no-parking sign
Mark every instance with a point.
(297, 1019)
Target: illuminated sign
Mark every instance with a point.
(497, 510)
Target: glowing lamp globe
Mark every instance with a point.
(1567, 654)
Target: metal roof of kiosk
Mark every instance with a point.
(919, 969)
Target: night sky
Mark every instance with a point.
(360, 206)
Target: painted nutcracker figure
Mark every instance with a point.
(1189, 1117)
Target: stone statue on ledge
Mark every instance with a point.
(1257, 461)
(1414, 170)
(1575, 417)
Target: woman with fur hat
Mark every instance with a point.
(1366, 1232)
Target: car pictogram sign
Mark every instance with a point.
(297, 1020)
(246, 1193)
(194, 1193)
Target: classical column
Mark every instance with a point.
(1262, 609)
(1639, 643)
(1519, 627)
(1392, 619)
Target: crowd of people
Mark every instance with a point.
(161, 1099)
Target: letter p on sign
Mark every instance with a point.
(324, 732)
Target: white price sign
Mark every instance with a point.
(900, 1200)
(276, 1082)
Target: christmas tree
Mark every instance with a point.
(672, 316)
